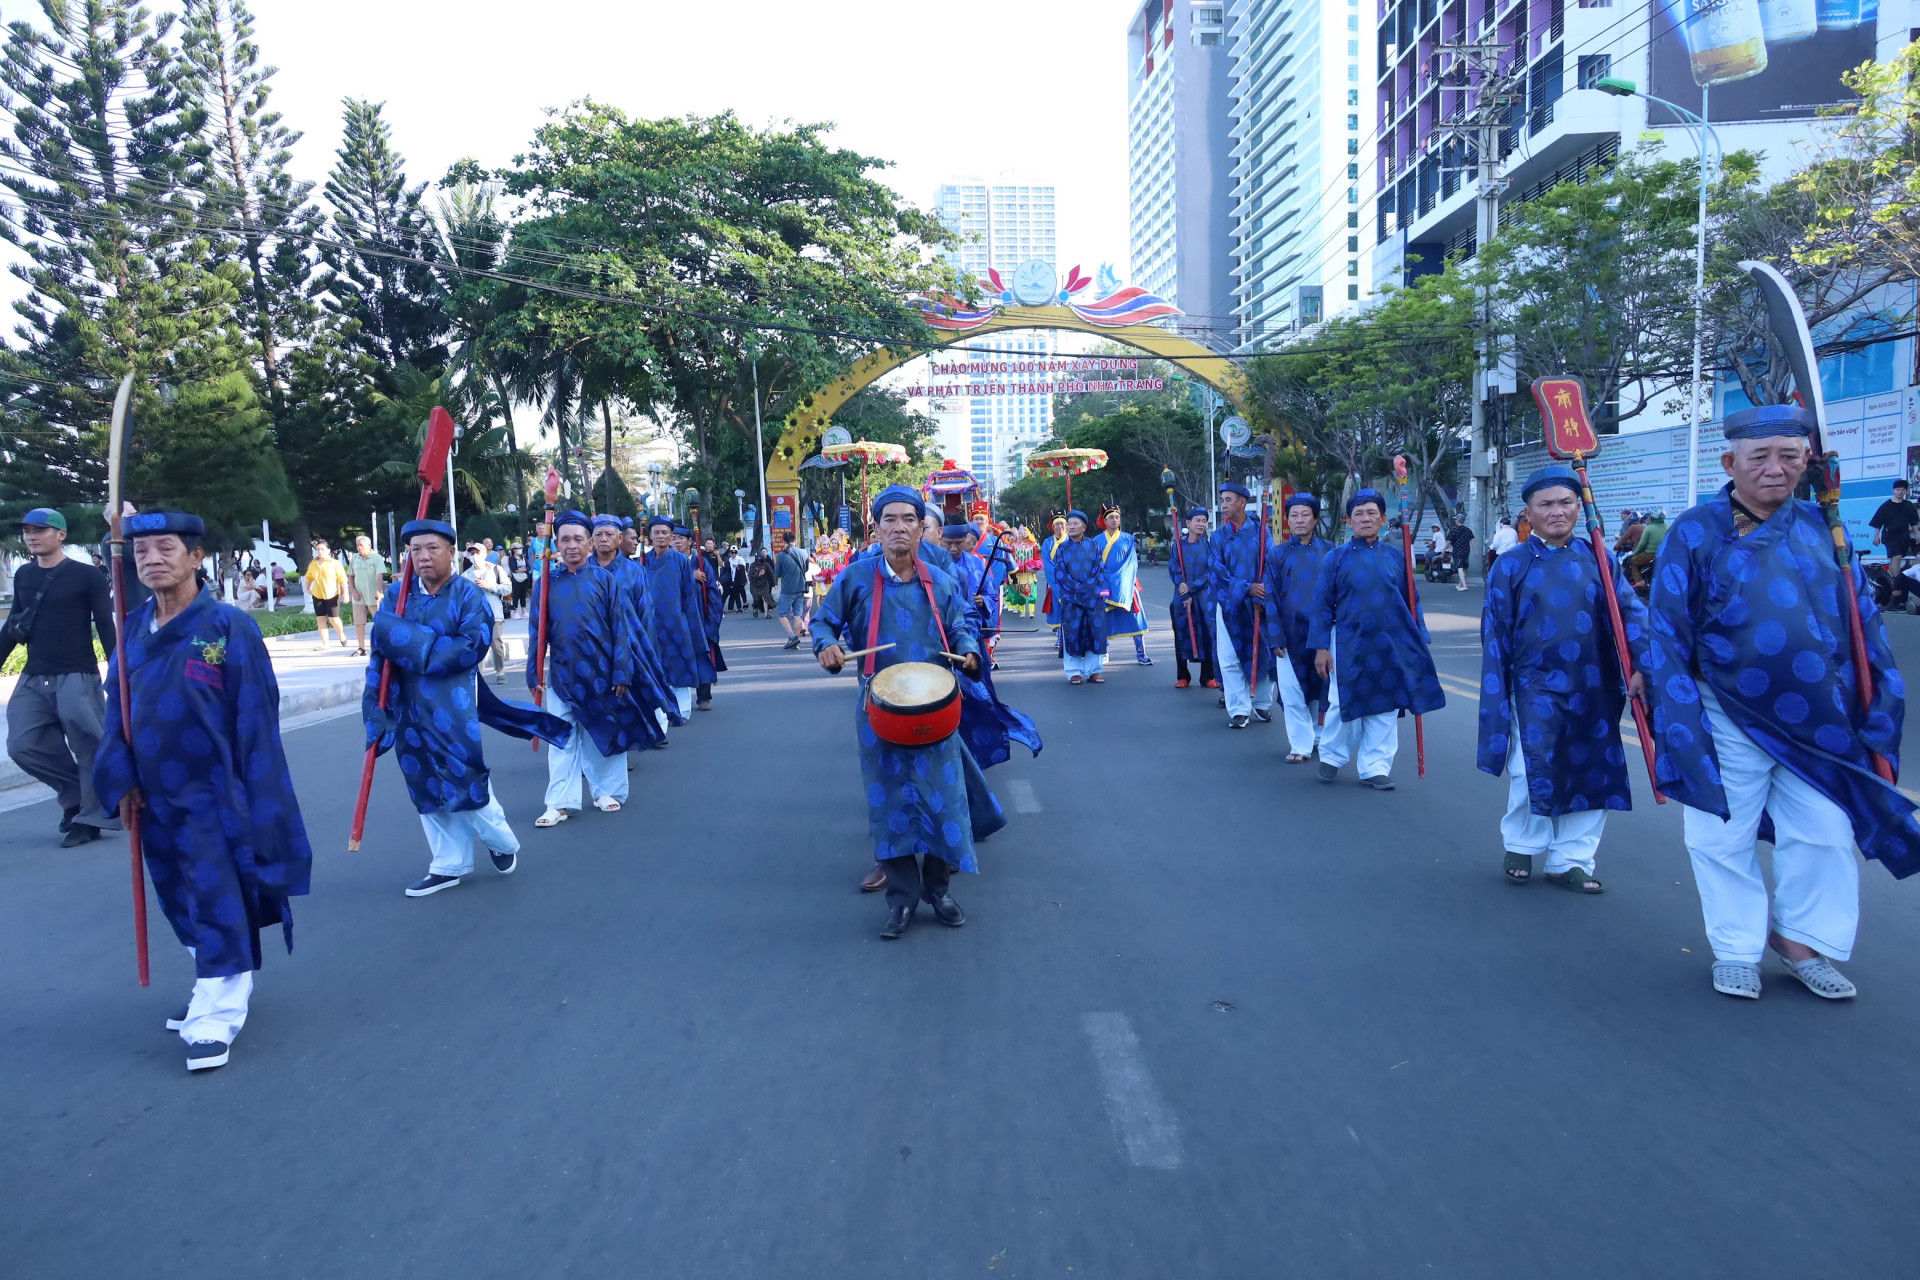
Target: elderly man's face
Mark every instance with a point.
(1233, 507)
(1552, 512)
(606, 540)
(659, 537)
(1765, 472)
(573, 543)
(363, 544)
(629, 541)
(164, 561)
(1076, 527)
(900, 527)
(1365, 519)
(1301, 519)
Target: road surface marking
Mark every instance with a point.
(1140, 1116)
(1024, 799)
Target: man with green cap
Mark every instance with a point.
(55, 715)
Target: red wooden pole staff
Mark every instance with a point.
(1179, 536)
(116, 451)
(432, 471)
(1592, 511)
(1259, 609)
(1413, 596)
(536, 659)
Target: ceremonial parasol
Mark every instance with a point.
(1067, 463)
(865, 452)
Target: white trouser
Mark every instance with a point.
(217, 1009)
(1303, 718)
(1241, 700)
(450, 836)
(685, 698)
(1816, 898)
(1087, 664)
(1569, 840)
(581, 758)
(1370, 742)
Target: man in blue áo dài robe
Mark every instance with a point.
(650, 690)
(988, 727)
(1236, 569)
(221, 829)
(711, 599)
(591, 661)
(1080, 600)
(1050, 600)
(1293, 575)
(988, 547)
(1120, 558)
(931, 801)
(1550, 688)
(433, 714)
(1759, 716)
(1191, 613)
(673, 600)
(1370, 647)
(971, 573)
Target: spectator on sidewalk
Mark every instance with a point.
(1460, 543)
(279, 576)
(1504, 539)
(493, 583)
(366, 580)
(326, 581)
(791, 566)
(761, 577)
(59, 707)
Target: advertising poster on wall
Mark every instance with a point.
(1764, 59)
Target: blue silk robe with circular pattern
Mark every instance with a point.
(1383, 660)
(1234, 565)
(1050, 600)
(1293, 576)
(221, 829)
(932, 799)
(679, 636)
(593, 648)
(1078, 580)
(713, 608)
(1192, 614)
(1548, 663)
(1759, 619)
(435, 706)
(1120, 561)
(650, 689)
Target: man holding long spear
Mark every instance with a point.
(1550, 689)
(1293, 575)
(1191, 613)
(204, 773)
(1236, 565)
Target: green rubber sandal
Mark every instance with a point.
(1575, 879)
(1521, 863)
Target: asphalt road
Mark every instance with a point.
(1208, 1018)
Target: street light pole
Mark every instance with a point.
(759, 461)
(1625, 88)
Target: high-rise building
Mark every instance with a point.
(1179, 162)
(1001, 225)
(1297, 108)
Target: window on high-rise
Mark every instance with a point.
(1353, 171)
(1353, 121)
(1353, 244)
(1353, 22)
(1353, 219)
(1353, 97)
(1353, 267)
(1353, 293)
(1353, 146)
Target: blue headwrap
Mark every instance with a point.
(681, 531)
(1301, 500)
(566, 518)
(1768, 420)
(1549, 476)
(626, 522)
(1234, 486)
(660, 520)
(899, 493)
(149, 523)
(1078, 514)
(606, 522)
(957, 530)
(1366, 495)
(439, 528)
(1194, 511)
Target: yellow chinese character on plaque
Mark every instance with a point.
(1563, 399)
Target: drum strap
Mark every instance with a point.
(873, 610)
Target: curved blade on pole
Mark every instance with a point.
(435, 448)
(1788, 324)
(117, 444)
(116, 465)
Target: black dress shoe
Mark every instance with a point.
(1329, 772)
(1379, 782)
(947, 911)
(1264, 717)
(204, 1055)
(504, 863)
(78, 834)
(432, 884)
(66, 818)
(897, 921)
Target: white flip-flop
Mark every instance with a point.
(551, 818)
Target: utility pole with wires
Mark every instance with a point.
(1487, 95)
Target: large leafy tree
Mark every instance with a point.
(107, 184)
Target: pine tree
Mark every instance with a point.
(381, 240)
(120, 275)
(249, 193)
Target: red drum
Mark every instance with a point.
(913, 704)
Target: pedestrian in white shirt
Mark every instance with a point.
(493, 580)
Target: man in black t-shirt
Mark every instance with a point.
(1893, 527)
(57, 710)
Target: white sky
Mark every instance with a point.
(1035, 87)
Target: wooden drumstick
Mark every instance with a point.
(861, 653)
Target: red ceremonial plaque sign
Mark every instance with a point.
(1563, 412)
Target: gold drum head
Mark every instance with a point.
(907, 687)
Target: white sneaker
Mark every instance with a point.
(551, 818)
